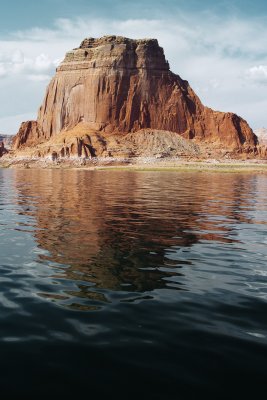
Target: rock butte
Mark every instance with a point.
(115, 96)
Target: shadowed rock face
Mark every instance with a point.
(7, 140)
(116, 85)
(3, 150)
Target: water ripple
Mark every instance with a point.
(137, 264)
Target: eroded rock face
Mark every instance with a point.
(116, 85)
(28, 135)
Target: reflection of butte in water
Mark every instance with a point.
(103, 224)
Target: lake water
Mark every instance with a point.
(132, 284)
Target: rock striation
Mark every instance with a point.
(117, 87)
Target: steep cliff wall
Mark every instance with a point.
(116, 85)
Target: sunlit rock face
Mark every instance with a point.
(115, 85)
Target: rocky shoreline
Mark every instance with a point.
(138, 163)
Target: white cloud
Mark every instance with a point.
(16, 63)
(202, 32)
(258, 74)
(223, 59)
(2, 70)
(38, 78)
(17, 57)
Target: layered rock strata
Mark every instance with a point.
(114, 86)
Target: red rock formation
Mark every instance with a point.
(116, 85)
(28, 134)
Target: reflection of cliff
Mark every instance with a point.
(114, 229)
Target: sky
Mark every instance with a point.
(220, 47)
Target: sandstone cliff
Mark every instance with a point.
(114, 86)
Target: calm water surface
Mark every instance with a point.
(133, 284)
